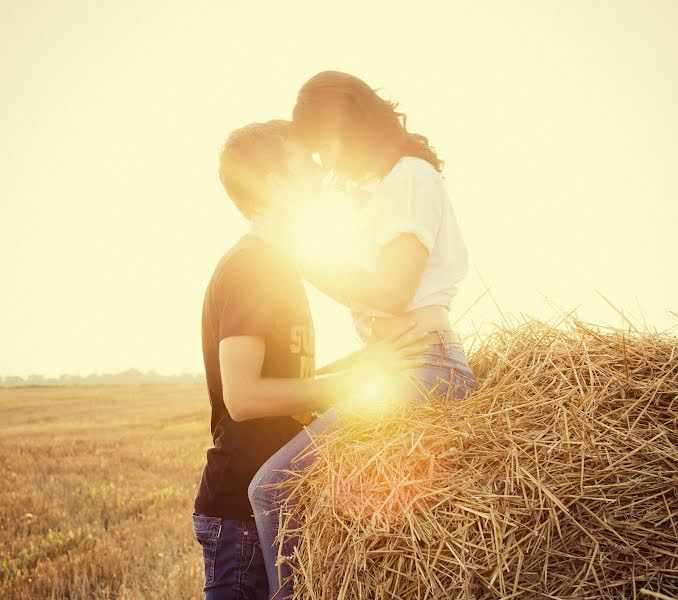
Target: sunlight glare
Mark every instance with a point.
(322, 229)
(377, 393)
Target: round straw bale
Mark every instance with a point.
(557, 477)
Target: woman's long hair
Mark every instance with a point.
(372, 132)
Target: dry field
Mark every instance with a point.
(96, 491)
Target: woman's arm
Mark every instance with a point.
(409, 201)
(390, 288)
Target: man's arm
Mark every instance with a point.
(400, 264)
(341, 364)
(248, 395)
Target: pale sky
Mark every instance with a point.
(557, 122)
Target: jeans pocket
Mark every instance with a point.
(445, 379)
(207, 531)
(464, 382)
(461, 379)
(432, 379)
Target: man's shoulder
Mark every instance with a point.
(246, 249)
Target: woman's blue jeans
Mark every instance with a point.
(446, 372)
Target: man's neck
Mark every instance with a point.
(270, 230)
(260, 229)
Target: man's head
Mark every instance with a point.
(262, 162)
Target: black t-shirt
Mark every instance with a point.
(254, 291)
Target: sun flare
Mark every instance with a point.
(322, 232)
(377, 393)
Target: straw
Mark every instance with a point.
(557, 477)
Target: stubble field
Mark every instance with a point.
(96, 491)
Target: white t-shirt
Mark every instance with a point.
(411, 198)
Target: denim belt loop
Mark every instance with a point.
(442, 334)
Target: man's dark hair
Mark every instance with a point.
(248, 156)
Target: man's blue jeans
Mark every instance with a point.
(446, 372)
(234, 564)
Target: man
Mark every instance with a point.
(258, 350)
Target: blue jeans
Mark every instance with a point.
(446, 373)
(234, 564)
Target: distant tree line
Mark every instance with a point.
(129, 377)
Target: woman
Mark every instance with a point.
(406, 263)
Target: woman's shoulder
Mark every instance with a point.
(413, 166)
(414, 175)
